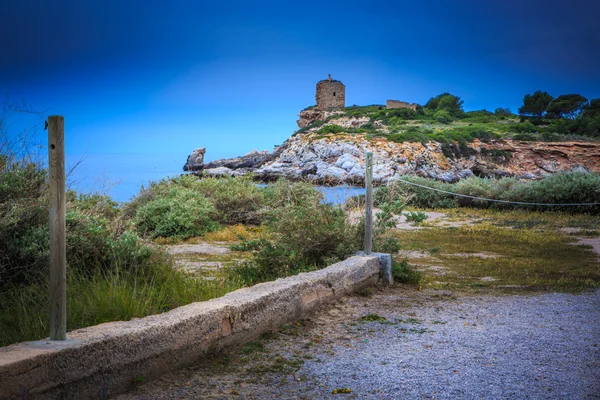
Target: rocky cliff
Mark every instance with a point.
(339, 158)
(334, 158)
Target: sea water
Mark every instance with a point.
(123, 175)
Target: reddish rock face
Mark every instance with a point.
(541, 158)
(309, 116)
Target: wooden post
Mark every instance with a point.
(58, 251)
(369, 202)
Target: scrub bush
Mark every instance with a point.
(237, 200)
(416, 217)
(301, 238)
(425, 198)
(560, 188)
(285, 193)
(176, 212)
(331, 129)
(442, 116)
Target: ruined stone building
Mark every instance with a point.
(330, 94)
(400, 104)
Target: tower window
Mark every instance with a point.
(333, 94)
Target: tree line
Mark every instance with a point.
(542, 105)
(542, 113)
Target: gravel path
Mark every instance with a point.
(431, 345)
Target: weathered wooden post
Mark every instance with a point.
(58, 251)
(369, 202)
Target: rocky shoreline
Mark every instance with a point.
(339, 159)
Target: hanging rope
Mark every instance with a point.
(498, 201)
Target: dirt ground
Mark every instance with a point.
(399, 342)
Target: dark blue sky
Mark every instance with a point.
(161, 78)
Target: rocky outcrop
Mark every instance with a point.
(339, 158)
(229, 166)
(254, 159)
(309, 116)
(195, 161)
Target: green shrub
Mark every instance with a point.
(585, 126)
(477, 187)
(402, 113)
(412, 134)
(362, 111)
(283, 193)
(249, 245)
(442, 116)
(314, 232)
(448, 102)
(480, 116)
(111, 273)
(503, 112)
(386, 242)
(559, 188)
(238, 200)
(176, 212)
(563, 187)
(404, 273)
(384, 218)
(100, 205)
(93, 242)
(331, 129)
(525, 127)
(301, 238)
(24, 234)
(416, 217)
(394, 116)
(426, 198)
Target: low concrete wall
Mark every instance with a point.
(103, 360)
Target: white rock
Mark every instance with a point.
(332, 172)
(219, 171)
(347, 162)
(358, 172)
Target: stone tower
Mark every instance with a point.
(330, 94)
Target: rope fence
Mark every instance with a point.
(496, 200)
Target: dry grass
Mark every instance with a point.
(510, 250)
(228, 233)
(526, 219)
(232, 234)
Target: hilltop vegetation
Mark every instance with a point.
(443, 119)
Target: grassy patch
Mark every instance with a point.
(253, 347)
(114, 295)
(524, 258)
(404, 273)
(372, 318)
(527, 219)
